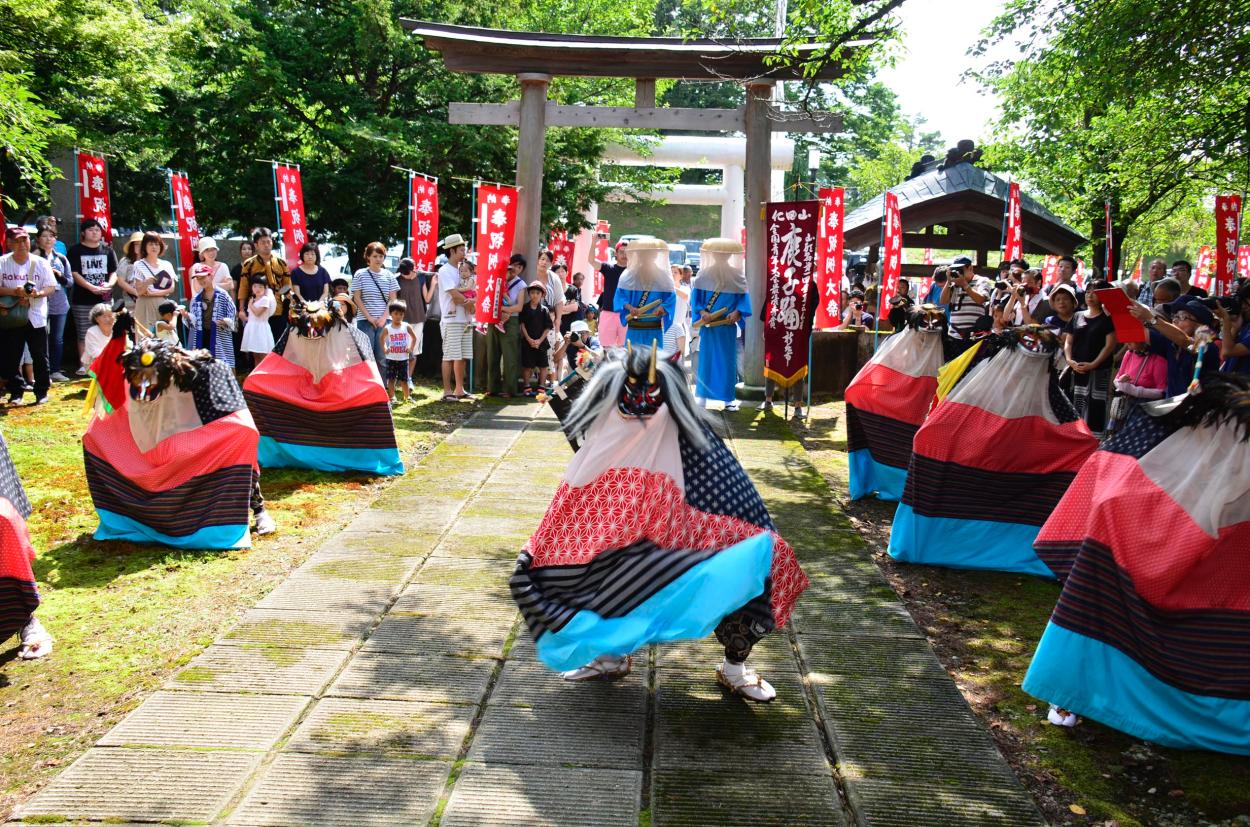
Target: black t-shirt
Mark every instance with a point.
(1089, 335)
(611, 277)
(1197, 291)
(94, 264)
(566, 321)
(310, 286)
(535, 320)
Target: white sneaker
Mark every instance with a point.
(36, 642)
(1061, 717)
(265, 523)
(604, 667)
(745, 682)
(59, 377)
(733, 406)
(766, 405)
(80, 372)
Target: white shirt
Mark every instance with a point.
(38, 272)
(448, 280)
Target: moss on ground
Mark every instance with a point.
(275, 630)
(280, 656)
(385, 571)
(196, 675)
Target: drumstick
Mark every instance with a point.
(640, 312)
(712, 317)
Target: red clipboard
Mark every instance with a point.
(1116, 304)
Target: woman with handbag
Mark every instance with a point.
(26, 281)
(153, 279)
(1143, 376)
(373, 290)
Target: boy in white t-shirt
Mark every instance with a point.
(398, 341)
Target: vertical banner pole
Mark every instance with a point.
(411, 177)
(1002, 242)
(77, 198)
(876, 327)
(473, 222)
(173, 213)
(277, 203)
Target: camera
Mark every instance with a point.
(28, 288)
(1229, 303)
(1000, 285)
(575, 337)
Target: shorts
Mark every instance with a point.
(419, 329)
(82, 319)
(397, 370)
(457, 341)
(535, 357)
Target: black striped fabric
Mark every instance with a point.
(367, 426)
(220, 497)
(1201, 651)
(612, 585)
(1059, 556)
(887, 440)
(946, 489)
(18, 601)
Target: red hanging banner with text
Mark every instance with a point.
(1243, 262)
(1227, 234)
(829, 257)
(1050, 270)
(561, 247)
(290, 197)
(496, 227)
(1013, 238)
(1202, 273)
(891, 252)
(185, 224)
(423, 233)
(93, 202)
(792, 232)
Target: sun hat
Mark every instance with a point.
(579, 327)
(206, 243)
(200, 269)
(536, 285)
(452, 241)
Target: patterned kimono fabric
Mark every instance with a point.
(655, 534)
(19, 597)
(988, 467)
(320, 403)
(886, 403)
(1151, 634)
(178, 470)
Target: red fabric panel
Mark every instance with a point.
(228, 441)
(971, 436)
(16, 553)
(1069, 521)
(625, 505)
(882, 390)
(351, 387)
(109, 373)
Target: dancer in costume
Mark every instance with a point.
(174, 462)
(645, 295)
(318, 398)
(720, 300)
(888, 400)
(991, 462)
(19, 596)
(1151, 634)
(656, 534)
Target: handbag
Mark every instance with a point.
(1121, 404)
(13, 314)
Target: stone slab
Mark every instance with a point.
(282, 627)
(424, 600)
(266, 669)
(867, 656)
(837, 620)
(686, 797)
(317, 791)
(493, 795)
(207, 719)
(503, 548)
(437, 678)
(551, 737)
(144, 785)
(489, 577)
(414, 545)
(443, 634)
(378, 522)
(903, 804)
(304, 591)
(527, 683)
(400, 728)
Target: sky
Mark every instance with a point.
(935, 38)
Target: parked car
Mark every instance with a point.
(676, 254)
(693, 257)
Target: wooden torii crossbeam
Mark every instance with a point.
(535, 57)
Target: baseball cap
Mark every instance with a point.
(12, 233)
(961, 261)
(1066, 288)
(1194, 307)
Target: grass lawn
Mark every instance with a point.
(125, 615)
(985, 627)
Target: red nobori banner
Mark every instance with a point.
(187, 227)
(891, 252)
(93, 194)
(1013, 235)
(1243, 262)
(829, 257)
(423, 232)
(1050, 270)
(561, 248)
(792, 233)
(496, 226)
(290, 195)
(1202, 273)
(1227, 234)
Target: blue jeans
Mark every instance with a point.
(372, 332)
(56, 341)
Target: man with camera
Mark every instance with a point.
(967, 296)
(26, 281)
(1026, 305)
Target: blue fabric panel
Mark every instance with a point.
(870, 477)
(383, 461)
(688, 608)
(965, 544)
(114, 526)
(1100, 682)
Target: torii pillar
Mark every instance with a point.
(531, 151)
(758, 177)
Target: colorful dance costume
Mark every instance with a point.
(1151, 634)
(19, 597)
(319, 400)
(888, 400)
(720, 289)
(647, 286)
(174, 462)
(656, 533)
(991, 462)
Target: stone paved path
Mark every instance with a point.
(390, 682)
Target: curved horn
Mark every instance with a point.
(651, 369)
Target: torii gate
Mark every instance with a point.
(535, 57)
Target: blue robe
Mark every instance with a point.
(718, 346)
(646, 336)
